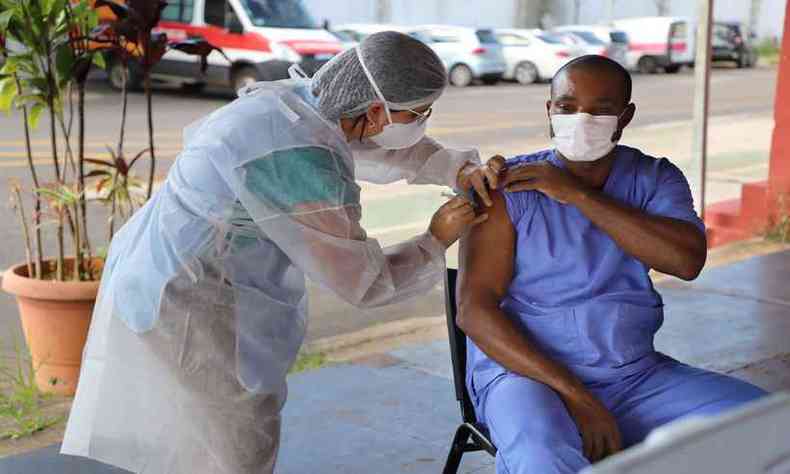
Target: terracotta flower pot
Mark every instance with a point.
(55, 319)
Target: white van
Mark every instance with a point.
(655, 43)
(262, 39)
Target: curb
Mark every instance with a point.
(392, 332)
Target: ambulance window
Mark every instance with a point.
(178, 10)
(214, 13)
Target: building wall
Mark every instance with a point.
(505, 13)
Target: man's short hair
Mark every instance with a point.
(594, 62)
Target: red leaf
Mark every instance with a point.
(96, 173)
(100, 162)
(198, 47)
(120, 11)
(137, 157)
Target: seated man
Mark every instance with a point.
(555, 294)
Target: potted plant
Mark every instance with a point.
(59, 41)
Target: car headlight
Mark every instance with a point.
(286, 53)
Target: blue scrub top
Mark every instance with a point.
(577, 295)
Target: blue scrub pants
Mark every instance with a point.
(534, 432)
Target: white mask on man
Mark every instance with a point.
(584, 137)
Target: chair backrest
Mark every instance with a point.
(457, 340)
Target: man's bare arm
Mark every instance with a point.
(487, 260)
(486, 269)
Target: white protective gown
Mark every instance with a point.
(202, 306)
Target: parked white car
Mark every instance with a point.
(603, 40)
(359, 31)
(659, 43)
(534, 55)
(467, 53)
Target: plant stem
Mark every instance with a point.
(25, 230)
(77, 244)
(150, 132)
(32, 166)
(124, 95)
(51, 83)
(81, 158)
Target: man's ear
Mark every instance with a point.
(625, 120)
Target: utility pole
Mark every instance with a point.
(383, 11)
(699, 152)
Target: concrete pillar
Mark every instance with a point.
(779, 168)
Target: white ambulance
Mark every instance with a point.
(657, 43)
(262, 39)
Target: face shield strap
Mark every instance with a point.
(373, 83)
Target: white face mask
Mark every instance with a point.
(584, 137)
(394, 136)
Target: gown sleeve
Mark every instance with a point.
(306, 202)
(427, 162)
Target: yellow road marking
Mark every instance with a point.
(105, 154)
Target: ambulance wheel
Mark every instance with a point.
(647, 65)
(134, 79)
(461, 75)
(244, 76)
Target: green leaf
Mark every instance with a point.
(5, 18)
(46, 7)
(34, 115)
(64, 62)
(11, 66)
(7, 93)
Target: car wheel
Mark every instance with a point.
(244, 76)
(115, 75)
(673, 69)
(193, 87)
(461, 75)
(647, 65)
(526, 73)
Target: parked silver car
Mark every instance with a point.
(468, 53)
(601, 40)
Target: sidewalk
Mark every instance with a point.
(395, 412)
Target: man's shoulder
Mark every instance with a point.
(541, 155)
(647, 164)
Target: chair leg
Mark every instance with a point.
(456, 450)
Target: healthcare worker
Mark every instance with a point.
(202, 306)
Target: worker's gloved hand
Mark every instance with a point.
(597, 426)
(481, 178)
(454, 218)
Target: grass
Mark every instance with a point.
(779, 229)
(768, 50)
(21, 414)
(308, 361)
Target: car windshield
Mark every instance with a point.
(278, 13)
(588, 37)
(551, 39)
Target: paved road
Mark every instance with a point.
(506, 118)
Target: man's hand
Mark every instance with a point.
(598, 428)
(556, 183)
(476, 176)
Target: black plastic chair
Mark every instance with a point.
(470, 436)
